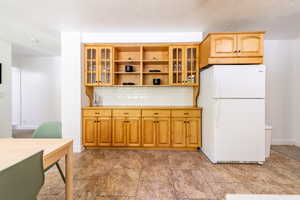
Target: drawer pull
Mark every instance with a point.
(126, 121)
(185, 113)
(126, 113)
(155, 113)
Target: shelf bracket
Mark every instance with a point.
(196, 92)
(89, 91)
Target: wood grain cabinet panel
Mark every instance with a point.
(193, 132)
(162, 132)
(90, 131)
(171, 128)
(178, 132)
(104, 132)
(133, 132)
(232, 48)
(119, 132)
(250, 45)
(223, 45)
(148, 132)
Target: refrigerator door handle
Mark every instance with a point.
(218, 114)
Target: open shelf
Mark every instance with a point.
(163, 73)
(128, 73)
(127, 53)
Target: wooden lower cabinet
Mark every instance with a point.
(133, 132)
(178, 132)
(163, 135)
(97, 131)
(167, 129)
(126, 132)
(186, 132)
(104, 132)
(148, 132)
(193, 127)
(156, 132)
(90, 131)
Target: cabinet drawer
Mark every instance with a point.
(186, 113)
(156, 113)
(126, 113)
(100, 113)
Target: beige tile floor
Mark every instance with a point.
(168, 175)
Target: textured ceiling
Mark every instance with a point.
(37, 24)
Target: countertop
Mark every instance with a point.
(141, 107)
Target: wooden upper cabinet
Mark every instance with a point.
(105, 66)
(104, 131)
(91, 63)
(183, 67)
(232, 48)
(223, 45)
(90, 131)
(250, 45)
(133, 132)
(98, 66)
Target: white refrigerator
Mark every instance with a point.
(233, 118)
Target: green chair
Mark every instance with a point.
(50, 130)
(23, 180)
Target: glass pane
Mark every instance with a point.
(91, 65)
(91, 54)
(91, 78)
(102, 56)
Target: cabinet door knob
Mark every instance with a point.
(239, 51)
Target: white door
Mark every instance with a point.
(239, 81)
(240, 134)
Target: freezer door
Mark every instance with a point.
(239, 81)
(240, 135)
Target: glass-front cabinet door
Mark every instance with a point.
(191, 65)
(184, 65)
(91, 66)
(176, 65)
(105, 66)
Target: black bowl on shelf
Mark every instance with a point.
(128, 68)
(156, 81)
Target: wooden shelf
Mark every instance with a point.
(156, 61)
(161, 73)
(128, 73)
(127, 61)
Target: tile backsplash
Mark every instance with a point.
(143, 96)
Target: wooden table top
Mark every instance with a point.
(13, 151)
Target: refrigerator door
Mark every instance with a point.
(239, 81)
(240, 135)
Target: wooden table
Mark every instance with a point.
(13, 151)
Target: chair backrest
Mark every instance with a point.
(48, 130)
(23, 180)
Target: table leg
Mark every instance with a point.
(69, 173)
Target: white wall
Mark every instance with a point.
(16, 96)
(145, 96)
(71, 87)
(278, 66)
(294, 106)
(39, 91)
(5, 90)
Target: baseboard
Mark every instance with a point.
(26, 126)
(283, 142)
